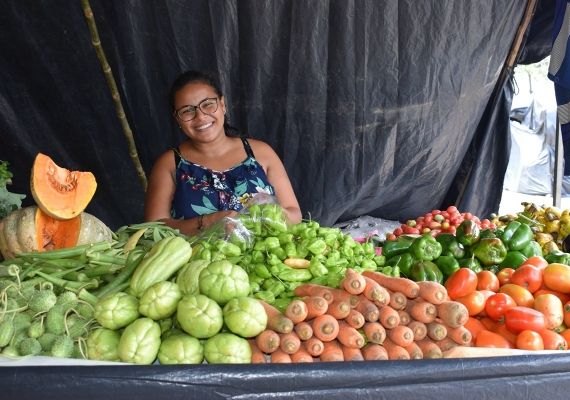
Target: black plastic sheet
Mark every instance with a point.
(518, 377)
(381, 108)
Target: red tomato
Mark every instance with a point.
(552, 308)
(518, 319)
(529, 340)
(520, 295)
(451, 209)
(436, 212)
(497, 304)
(528, 276)
(553, 340)
(467, 215)
(537, 261)
(557, 277)
(474, 302)
(487, 338)
(487, 280)
(504, 275)
(461, 283)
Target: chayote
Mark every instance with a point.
(222, 281)
(199, 316)
(103, 344)
(227, 348)
(245, 316)
(116, 310)
(188, 277)
(181, 349)
(160, 300)
(140, 342)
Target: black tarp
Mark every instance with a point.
(381, 108)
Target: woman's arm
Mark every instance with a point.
(278, 178)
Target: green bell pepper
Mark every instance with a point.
(472, 263)
(401, 245)
(532, 249)
(425, 270)
(447, 265)
(516, 235)
(490, 251)
(425, 248)
(402, 261)
(514, 259)
(450, 246)
(468, 232)
(558, 256)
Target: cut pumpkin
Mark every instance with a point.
(60, 193)
(30, 229)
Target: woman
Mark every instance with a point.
(211, 173)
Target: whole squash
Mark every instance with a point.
(30, 229)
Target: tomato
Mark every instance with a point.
(557, 277)
(487, 338)
(552, 308)
(461, 283)
(474, 302)
(467, 215)
(564, 297)
(566, 335)
(474, 326)
(518, 319)
(504, 275)
(497, 304)
(529, 340)
(527, 276)
(502, 330)
(520, 295)
(537, 261)
(451, 209)
(553, 340)
(487, 280)
(566, 310)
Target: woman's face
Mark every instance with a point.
(199, 112)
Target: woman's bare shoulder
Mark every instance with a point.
(260, 147)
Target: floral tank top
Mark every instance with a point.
(200, 190)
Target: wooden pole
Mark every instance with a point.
(88, 12)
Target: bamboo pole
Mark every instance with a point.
(96, 42)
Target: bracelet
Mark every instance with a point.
(200, 223)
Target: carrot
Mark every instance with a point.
(339, 309)
(419, 329)
(304, 330)
(414, 351)
(460, 335)
(405, 318)
(348, 336)
(398, 300)
(332, 352)
(436, 330)
(316, 305)
(276, 320)
(395, 352)
(268, 341)
(373, 351)
(375, 332)
(339, 294)
(400, 335)
(312, 289)
(433, 292)
(257, 356)
(474, 326)
(353, 282)
(421, 310)
(404, 285)
(446, 344)
(355, 319)
(314, 346)
(290, 342)
(452, 313)
(429, 348)
(388, 317)
(351, 353)
(301, 356)
(296, 311)
(373, 291)
(368, 309)
(325, 327)
(280, 357)
(296, 262)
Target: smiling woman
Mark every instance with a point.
(209, 175)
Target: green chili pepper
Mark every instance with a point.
(517, 236)
(272, 259)
(369, 249)
(401, 245)
(403, 262)
(317, 246)
(490, 251)
(271, 242)
(468, 232)
(450, 246)
(368, 265)
(285, 238)
(257, 256)
(262, 271)
(334, 279)
(425, 270)
(513, 259)
(279, 252)
(265, 295)
(291, 249)
(317, 268)
(380, 260)
(532, 249)
(447, 265)
(295, 275)
(425, 248)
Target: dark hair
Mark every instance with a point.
(200, 77)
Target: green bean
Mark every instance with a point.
(133, 260)
(69, 285)
(68, 252)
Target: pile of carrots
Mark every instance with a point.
(371, 316)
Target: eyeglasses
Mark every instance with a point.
(188, 113)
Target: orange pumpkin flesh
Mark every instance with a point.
(54, 234)
(60, 193)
